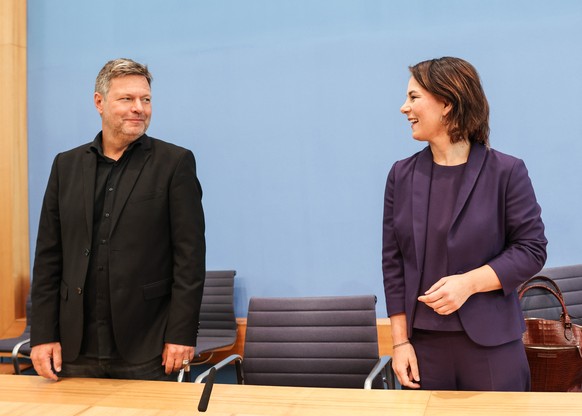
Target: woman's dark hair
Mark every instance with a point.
(457, 82)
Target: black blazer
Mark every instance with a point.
(157, 251)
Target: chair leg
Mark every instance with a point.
(239, 373)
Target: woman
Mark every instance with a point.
(462, 230)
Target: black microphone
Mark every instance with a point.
(205, 397)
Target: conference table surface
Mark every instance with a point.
(32, 395)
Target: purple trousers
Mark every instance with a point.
(451, 361)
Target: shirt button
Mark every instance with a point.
(86, 252)
(79, 291)
(110, 189)
(106, 215)
(103, 241)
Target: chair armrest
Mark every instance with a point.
(15, 352)
(233, 358)
(383, 362)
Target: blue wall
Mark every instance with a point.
(292, 110)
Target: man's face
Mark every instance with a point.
(127, 108)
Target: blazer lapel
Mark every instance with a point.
(420, 198)
(89, 172)
(472, 170)
(139, 156)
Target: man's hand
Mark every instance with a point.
(175, 357)
(43, 356)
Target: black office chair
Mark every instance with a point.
(217, 330)
(311, 342)
(19, 346)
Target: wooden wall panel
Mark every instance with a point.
(14, 239)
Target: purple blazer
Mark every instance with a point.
(496, 221)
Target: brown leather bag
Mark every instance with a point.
(552, 347)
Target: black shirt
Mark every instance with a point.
(98, 338)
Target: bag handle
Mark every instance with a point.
(543, 279)
(565, 317)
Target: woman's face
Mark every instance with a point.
(425, 113)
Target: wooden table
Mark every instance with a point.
(31, 395)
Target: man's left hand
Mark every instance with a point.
(175, 357)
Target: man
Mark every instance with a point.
(120, 257)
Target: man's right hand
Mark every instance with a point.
(43, 356)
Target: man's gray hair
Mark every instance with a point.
(119, 68)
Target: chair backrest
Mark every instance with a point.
(311, 342)
(217, 320)
(537, 303)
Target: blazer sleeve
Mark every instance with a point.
(48, 266)
(392, 260)
(189, 252)
(525, 248)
